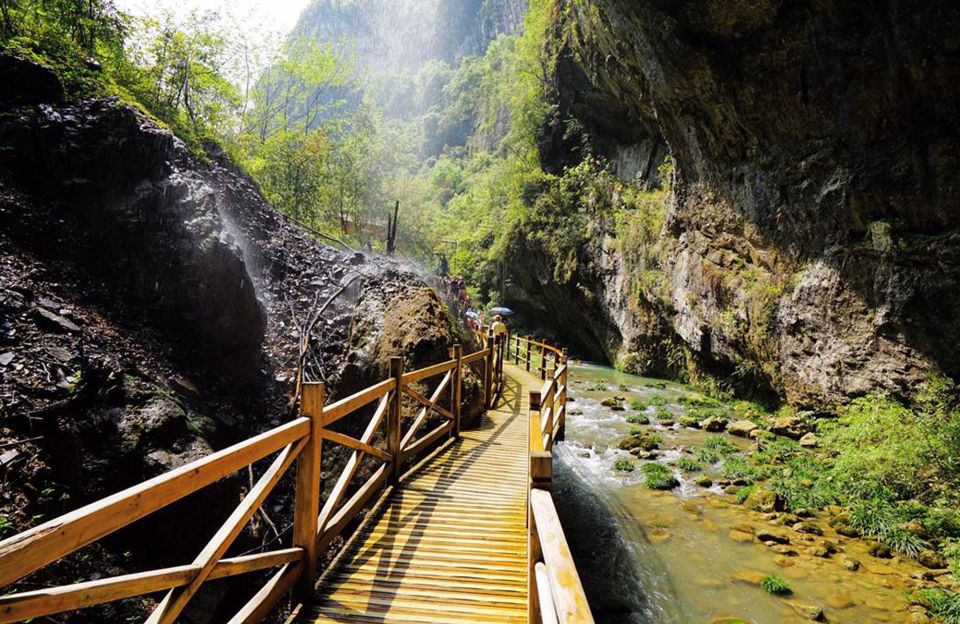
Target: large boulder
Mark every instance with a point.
(148, 223)
(26, 82)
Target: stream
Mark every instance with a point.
(669, 557)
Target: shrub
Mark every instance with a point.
(776, 585)
(623, 388)
(706, 455)
(664, 414)
(720, 444)
(638, 405)
(657, 401)
(623, 464)
(945, 605)
(778, 452)
(736, 467)
(658, 477)
(879, 519)
(637, 419)
(597, 386)
(804, 483)
(688, 465)
(913, 453)
(655, 439)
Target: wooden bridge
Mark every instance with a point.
(462, 526)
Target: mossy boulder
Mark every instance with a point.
(878, 550)
(931, 559)
(764, 501)
(713, 424)
(742, 428)
(641, 441)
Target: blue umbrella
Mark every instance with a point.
(501, 311)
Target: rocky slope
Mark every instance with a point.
(152, 307)
(811, 242)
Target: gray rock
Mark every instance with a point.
(53, 321)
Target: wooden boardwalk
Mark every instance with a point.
(450, 545)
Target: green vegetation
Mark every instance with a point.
(623, 464)
(664, 414)
(944, 605)
(688, 465)
(638, 405)
(776, 585)
(658, 477)
(637, 419)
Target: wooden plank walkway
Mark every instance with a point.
(450, 545)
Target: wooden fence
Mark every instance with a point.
(537, 357)
(314, 526)
(555, 593)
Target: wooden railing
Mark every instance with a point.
(314, 527)
(556, 594)
(538, 357)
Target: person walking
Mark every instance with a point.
(499, 333)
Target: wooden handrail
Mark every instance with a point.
(569, 599)
(31, 550)
(300, 441)
(555, 592)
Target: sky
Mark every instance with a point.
(274, 14)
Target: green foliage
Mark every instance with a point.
(879, 519)
(638, 404)
(803, 483)
(945, 605)
(688, 465)
(744, 493)
(778, 451)
(637, 419)
(597, 386)
(664, 414)
(883, 445)
(736, 467)
(658, 477)
(623, 464)
(657, 400)
(776, 585)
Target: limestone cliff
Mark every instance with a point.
(811, 240)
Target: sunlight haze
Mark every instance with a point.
(281, 15)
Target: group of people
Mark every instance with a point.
(457, 289)
(458, 292)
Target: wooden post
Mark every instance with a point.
(488, 371)
(562, 412)
(457, 388)
(516, 351)
(543, 360)
(527, 338)
(504, 346)
(394, 420)
(549, 403)
(307, 505)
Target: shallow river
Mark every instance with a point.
(670, 557)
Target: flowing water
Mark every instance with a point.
(671, 557)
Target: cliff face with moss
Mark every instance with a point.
(809, 244)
